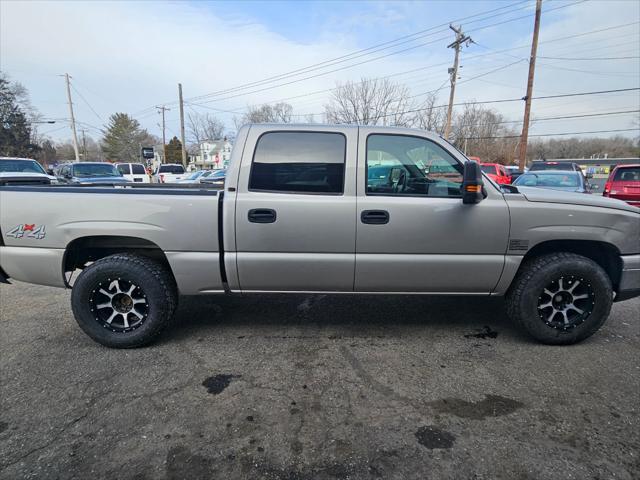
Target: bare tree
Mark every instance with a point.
(276, 113)
(204, 127)
(429, 116)
(483, 132)
(370, 102)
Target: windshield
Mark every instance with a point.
(195, 175)
(568, 180)
(174, 169)
(26, 166)
(95, 170)
(551, 166)
(218, 174)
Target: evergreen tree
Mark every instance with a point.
(123, 138)
(174, 151)
(15, 129)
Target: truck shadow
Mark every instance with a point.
(353, 315)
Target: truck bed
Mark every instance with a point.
(181, 221)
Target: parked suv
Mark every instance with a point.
(624, 184)
(134, 172)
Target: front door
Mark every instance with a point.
(295, 210)
(414, 234)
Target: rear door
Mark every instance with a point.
(415, 234)
(138, 173)
(125, 170)
(295, 210)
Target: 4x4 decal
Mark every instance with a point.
(29, 230)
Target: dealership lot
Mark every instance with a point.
(316, 386)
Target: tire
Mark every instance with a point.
(549, 293)
(124, 300)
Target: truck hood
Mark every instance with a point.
(101, 180)
(23, 174)
(534, 194)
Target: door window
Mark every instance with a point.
(299, 162)
(137, 169)
(124, 169)
(411, 166)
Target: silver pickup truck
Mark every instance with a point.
(340, 209)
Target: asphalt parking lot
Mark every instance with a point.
(316, 387)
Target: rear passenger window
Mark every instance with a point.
(628, 174)
(137, 169)
(299, 162)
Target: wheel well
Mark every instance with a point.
(85, 250)
(604, 254)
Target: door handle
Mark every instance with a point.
(262, 215)
(374, 217)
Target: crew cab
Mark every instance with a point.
(338, 209)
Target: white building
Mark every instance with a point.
(212, 154)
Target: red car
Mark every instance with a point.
(624, 184)
(496, 172)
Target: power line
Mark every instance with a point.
(87, 103)
(372, 49)
(562, 117)
(585, 59)
(327, 63)
(557, 134)
(492, 52)
(505, 100)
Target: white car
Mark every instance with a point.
(169, 173)
(134, 172)
(23, 171)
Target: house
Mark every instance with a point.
(212, 154)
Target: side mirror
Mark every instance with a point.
(472, 184)
(49, 171)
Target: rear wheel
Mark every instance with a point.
(560, 298)
(124, 300)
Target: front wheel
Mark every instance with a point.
(124, 300)
(560, 298)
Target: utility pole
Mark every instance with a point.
(162, 109)
(184, 146)
(527, 106)
(84, 145)
(73, 119)
(461, 38)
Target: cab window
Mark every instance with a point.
(299, 162)
(124, 169)
(411, 166)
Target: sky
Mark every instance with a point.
(130, 56)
